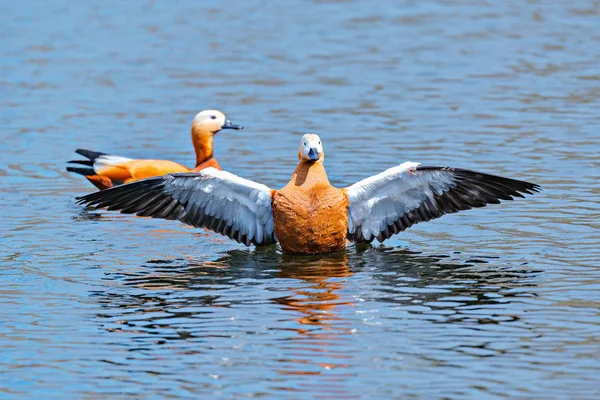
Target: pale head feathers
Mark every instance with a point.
(212, 121)
(311, 148)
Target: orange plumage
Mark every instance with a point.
(310, 215)
(105, 170)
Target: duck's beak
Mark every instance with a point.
(313, 154)
(229, 125)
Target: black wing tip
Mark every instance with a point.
(515, 184)
(88, 201)
(535, 188)
(114, 193)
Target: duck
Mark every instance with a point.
(107, 170)
(309, 215)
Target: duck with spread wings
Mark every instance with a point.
(309, 215)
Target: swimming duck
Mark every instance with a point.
(309, 215)
(106, 170)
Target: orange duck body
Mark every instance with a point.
(309, 215)
(133, 170)
(108, 170)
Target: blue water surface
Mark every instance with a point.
(496, 302)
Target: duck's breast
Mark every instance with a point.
(311, 220)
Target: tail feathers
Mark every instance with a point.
(96, 163)
(91, 157)
(109, 160)
(81, 171)
(89, 154)
(82, 162)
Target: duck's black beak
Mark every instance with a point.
(313, 154)
(229, 125)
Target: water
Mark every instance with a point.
(498, 302)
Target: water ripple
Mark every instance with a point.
(498, 302)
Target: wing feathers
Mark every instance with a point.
(400, 197)
(212, 199)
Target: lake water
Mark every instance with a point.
(497, 302)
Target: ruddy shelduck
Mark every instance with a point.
(106, 170)
(309, 215)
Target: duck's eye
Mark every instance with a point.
(305, 143)
(319, 142)
(213, 117)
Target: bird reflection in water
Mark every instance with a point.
(321, 329)
(304, 309)
(318, 300)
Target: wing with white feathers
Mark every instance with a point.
(394, 200)
(212, 199)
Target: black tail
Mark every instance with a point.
(91, 157)
(82, 162)
(81, 171)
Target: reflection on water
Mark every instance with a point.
(496, 302)
(313, 305)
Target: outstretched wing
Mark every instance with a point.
(394, 200)
(212, 199)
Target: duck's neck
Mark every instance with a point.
(203, 145)
(309, 174)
